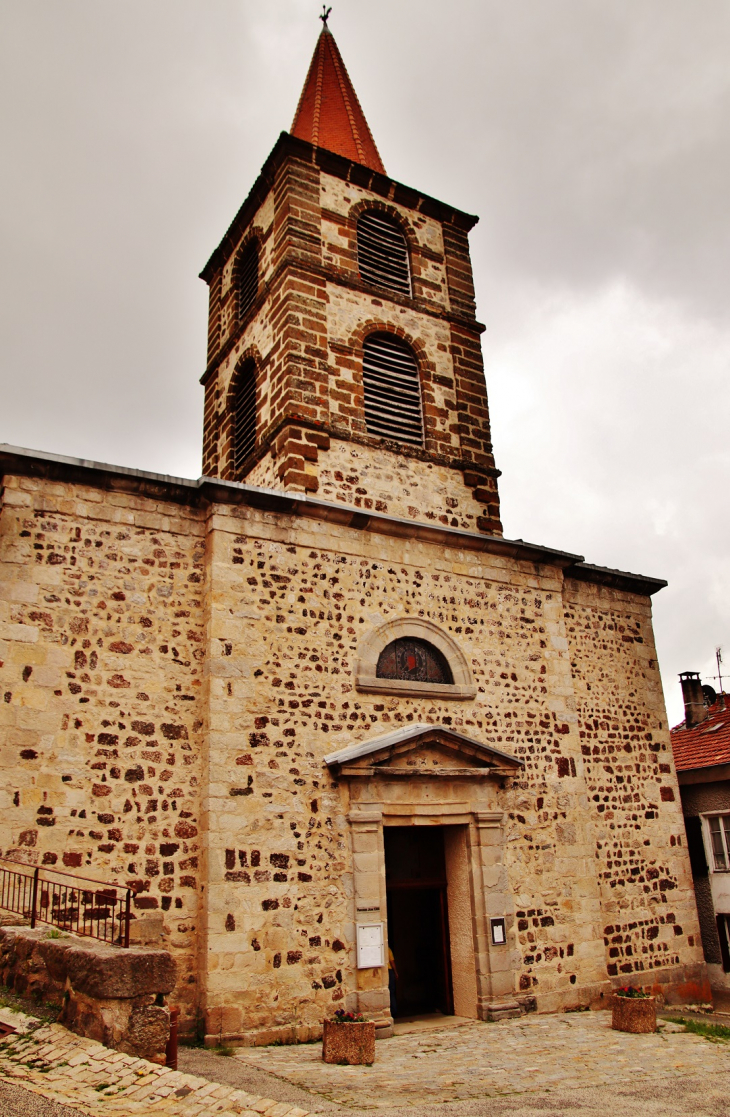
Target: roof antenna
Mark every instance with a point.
(325, 16)
(720, 676)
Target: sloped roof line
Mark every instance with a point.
(412, 732)
(705, 745)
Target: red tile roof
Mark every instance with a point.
(329, 113)
(708, 743)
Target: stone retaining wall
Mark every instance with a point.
(107, 994)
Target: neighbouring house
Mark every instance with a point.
(701, 747)
(314, 705)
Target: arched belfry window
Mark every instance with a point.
(392, 389)
(248, 278)
(244, 414)
(382, 253)
(413, 660)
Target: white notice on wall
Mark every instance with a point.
(370, 949)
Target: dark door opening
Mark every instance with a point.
(418, 920)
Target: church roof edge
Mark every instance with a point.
(340, 167)
(19, 461)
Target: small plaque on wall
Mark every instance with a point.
(499, 933)
(370, 945)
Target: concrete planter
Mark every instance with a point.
(352, 1043)
(634, 1014)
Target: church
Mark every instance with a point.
(314, 708)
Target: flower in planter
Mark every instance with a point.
(342, 1017)
(630, 991)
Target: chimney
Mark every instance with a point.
(695, 710)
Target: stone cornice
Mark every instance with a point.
(417, 453)
(17, 461)
(291, 265)
(339, 167)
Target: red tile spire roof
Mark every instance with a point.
(329, 113)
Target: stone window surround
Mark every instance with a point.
(415, 627)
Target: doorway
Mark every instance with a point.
(418, 919)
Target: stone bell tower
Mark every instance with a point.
(344, 354)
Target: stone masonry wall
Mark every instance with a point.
(291, 603)
(391, 482)
(102, 654)
(173, 678)
(651, 925)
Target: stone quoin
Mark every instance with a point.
(317, 689)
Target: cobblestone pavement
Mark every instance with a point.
(538, 1066)
(55, 1064)
(535, 1054)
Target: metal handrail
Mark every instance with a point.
(102, 912)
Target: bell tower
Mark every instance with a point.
(344, 354)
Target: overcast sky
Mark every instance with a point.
(592, 138)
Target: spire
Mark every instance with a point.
(329, 113)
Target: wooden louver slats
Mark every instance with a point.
(382, 253)
(248, 279)
(244, 415)
(392, 389)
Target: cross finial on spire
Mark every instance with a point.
(325, 15)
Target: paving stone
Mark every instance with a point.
(70, 1069)
(535, 1054)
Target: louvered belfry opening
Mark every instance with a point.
(248, 279)
(392, 389)
(382, 253)
(244, 415)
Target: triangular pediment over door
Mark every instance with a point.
(423, 751)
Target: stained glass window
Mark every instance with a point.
(414, 660)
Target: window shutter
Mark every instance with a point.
(392, 389)
(696, 846)
(244, 415)
(248, 279)
(382, 253)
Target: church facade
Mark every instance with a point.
(314, 706)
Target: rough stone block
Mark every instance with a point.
(633, 1014)
(351, 1043)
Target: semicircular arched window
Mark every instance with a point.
(244, 415)
(413, 660)
(247, 279)
(382, 253)
(392, 389)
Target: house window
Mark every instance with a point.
(414, 661)
(720, 838)
(244, 415)
(382, 253)
(248, 279)
(392, 389)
